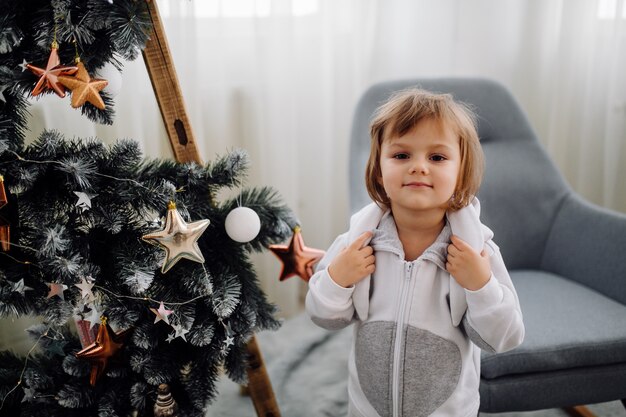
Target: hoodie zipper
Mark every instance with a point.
(399, 339)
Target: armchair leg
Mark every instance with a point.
(579, 411)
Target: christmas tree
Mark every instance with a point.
(134, 251)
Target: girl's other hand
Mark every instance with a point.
(469, 268)
(354, 262)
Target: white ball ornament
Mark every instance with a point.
(113, 76)
(242, 224)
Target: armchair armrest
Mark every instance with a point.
(587, 244)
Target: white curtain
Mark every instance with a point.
(564, 61)
(281, 78)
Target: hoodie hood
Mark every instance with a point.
(386, 239)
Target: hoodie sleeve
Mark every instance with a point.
(328, 304)
(494, 319)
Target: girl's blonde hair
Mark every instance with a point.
(401, 113)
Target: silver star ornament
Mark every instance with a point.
(23, 65)
(180, 331)
(85, 289)
(84, 200)
(29, 395)
(56, 289)
(178, 239)
(94, 316)
(19, 287)
(161, 313)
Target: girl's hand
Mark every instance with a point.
(353, 263)
(469, 268)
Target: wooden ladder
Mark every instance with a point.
(164, 80)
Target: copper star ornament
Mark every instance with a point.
(49, 77)
(5, 234)
(3, 194)
(84, 88)
(5, 226)
(297, 259)
(107, 344)
(178, 239)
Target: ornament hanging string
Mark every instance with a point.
(76, 56)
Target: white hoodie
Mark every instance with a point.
(417, 333)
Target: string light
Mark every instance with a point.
(130, 297)
(180, 303)
(14, 258)
(22, 246)
(19, 157)
(19, 382)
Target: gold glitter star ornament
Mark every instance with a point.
(84, 88)
(178, 239)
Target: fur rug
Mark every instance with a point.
(300, 358)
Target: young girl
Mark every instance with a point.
(417, 273)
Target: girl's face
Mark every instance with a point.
(420, 169)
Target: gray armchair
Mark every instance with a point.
(567, 258)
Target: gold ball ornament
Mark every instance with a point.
(179, 239)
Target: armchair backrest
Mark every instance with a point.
(522, 189)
